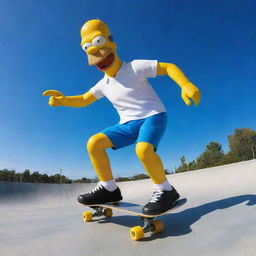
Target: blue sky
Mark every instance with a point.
(213, 42)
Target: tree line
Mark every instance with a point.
(35, 177)
(242, 147)
(32, 177)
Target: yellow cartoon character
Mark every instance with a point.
(142, 115)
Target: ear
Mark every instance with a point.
(110, 38)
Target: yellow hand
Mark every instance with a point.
(56, 99)
(190, 91)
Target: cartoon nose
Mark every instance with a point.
(92, 50)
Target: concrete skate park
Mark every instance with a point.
(218, 218)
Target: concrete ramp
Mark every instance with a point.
(219, 218)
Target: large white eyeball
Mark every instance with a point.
(98, 41)
(86, 46)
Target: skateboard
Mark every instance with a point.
(136, 233)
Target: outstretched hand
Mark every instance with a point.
(56, 98)
(190, 91)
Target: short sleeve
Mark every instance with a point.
(145, 68)
(96, 90)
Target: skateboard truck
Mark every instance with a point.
(147, 224)
(100, 211)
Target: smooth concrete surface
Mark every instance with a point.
(219, 218)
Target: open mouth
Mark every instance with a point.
(106, 62)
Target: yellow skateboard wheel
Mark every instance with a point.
(108, 213)
(87, 216)
(137, 233)
(158, 226)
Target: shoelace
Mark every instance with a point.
(97, 188)
(156, 195)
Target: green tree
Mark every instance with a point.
(8, 175)
(241, 144)
(57, 178)
(83, 180)
(230, 158)
(183, 165)
(36, 177)
(140, 177)
(192, 165)
(26, 176)
(45, 178)
(119, 179)
(212, 156)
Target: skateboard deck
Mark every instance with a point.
(136, 233)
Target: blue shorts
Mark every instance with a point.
(150, 129)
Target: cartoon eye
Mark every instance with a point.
(98, 40)
(86, 46)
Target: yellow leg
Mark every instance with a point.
(151, 162)
(96, 147)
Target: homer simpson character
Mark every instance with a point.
(142, 115)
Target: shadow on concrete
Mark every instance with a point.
(178, 224)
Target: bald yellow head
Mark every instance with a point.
(93, 28)
(101, 51)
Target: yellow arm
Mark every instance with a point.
(58, 99)
(188, 90)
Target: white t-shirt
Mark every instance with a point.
(130, 92)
